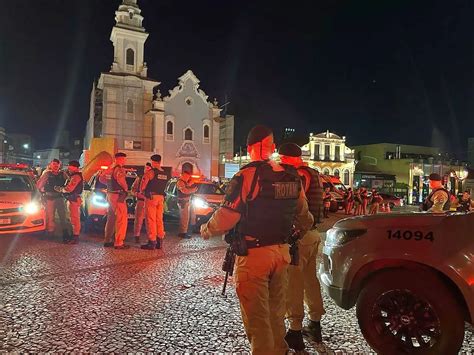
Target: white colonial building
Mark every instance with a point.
(327, 152)
(184, 127)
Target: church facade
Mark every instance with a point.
(183, 127)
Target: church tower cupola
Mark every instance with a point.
(128, 37)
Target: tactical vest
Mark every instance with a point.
(74, 194)
(464, 205)
(52, 181)
(429, 202)
(157, 185)
(270, 215)
(314, 194)
(112, 184)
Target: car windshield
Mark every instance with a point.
(17, 183)
(210, 189)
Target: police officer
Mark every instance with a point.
(153, 187)
(375, 200)
(438, 200)
(185, 187)
(72, 191)
(140, 204)
(117, 190)
(465, 204)
(303, 285)
(327, 197)
(50, 178)
(266, 199)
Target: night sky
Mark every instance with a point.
(374, 71)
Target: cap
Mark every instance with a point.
(156, 158)
(74, 163)
(148, 164)
(55, 161)
(290, 150)
(258, 133)
(120, 155)
(434, 177)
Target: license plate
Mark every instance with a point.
(5, 221)
(131, 216)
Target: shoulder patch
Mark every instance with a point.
(232, 198)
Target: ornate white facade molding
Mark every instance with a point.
(189, 75)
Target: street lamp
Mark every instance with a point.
(26, 145)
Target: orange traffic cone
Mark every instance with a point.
(382, 208)
(388, 208)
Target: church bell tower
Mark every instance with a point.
(128, 37)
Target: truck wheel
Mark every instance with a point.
(410, 312)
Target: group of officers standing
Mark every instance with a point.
(62, 192)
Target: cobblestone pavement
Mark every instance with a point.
(58, 298)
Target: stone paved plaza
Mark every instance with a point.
(58, 298)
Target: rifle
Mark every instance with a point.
(228, 266)
(237, 246)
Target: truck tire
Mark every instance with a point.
(427, 310)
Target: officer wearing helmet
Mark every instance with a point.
(153, 187)
(266, 200)
(303, 285)
(72, 191)
(438, 200)
(117, 190)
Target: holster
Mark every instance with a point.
(237, 243)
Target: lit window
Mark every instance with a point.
(188, 134)
(326, 171)
(130, 106)
(336, 172)
(346, 177)
(130, 57)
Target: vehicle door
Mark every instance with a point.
(171, 199)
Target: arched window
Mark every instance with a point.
(187, 167)
(130, 57)
(346, 177)
(169, 127)
(326, 171)
(336, 172)
(206, 133)
(188, 134)
(129, 106)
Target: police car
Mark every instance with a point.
(411, 276)
(21, 206)
(204, 202)
(94, 201)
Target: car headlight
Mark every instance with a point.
(200, 203)
(99, 201)
(336, 236)
(31, 207)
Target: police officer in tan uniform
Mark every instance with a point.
(303, 284)
(72, 191)
(185, 187)
(117, 190)
(266, 199)
(153, 188)
(53, 176)
(140, 205)
(438, 200)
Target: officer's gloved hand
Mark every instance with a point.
(58, 189)
(205, 232)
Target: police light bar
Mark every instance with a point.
(196, 176)
(104, 167)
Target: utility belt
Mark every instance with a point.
(151, 194)
(253, 242)
(122, 195)
(72, 198)
(52, 195)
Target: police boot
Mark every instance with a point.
(294, 339)
(74, 239)
(313, 331)
(159, 243)
(151, 245)
(137, 239)
(66, 236)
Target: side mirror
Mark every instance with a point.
(87, 187)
